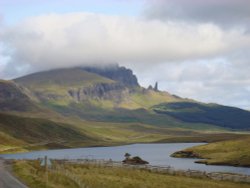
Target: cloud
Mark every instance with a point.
(1, 18)
(222, 12)
(62, 40)
(217, 80)
(192, 59)
(3, 63)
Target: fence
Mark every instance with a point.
(165, 170)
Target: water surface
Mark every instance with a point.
(155, 154)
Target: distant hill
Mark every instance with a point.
(215, 114)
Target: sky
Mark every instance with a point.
(196, 49)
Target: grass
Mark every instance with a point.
(92, 176)
(90, 112)
(23, 134)
(52, 90)
(235, 152)
(19, 133)
(193, 112)
(53, 86)
(61, 77)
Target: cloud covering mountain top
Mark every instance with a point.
(64, 40)
(197, 49)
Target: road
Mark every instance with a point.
(7, 180)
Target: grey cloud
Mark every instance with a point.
(222, 12)
(1, 19)
(63, 40)
(219, 80)
(195, 60)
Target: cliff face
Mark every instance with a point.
(114, 72)
(103, 91)
(9, 90)
(13, 97)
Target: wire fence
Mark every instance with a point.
(151, 168)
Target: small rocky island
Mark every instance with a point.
(185, 154)
(133, 160)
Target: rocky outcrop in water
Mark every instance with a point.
(135, 161)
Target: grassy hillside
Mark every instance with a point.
(61, 77)
(89, 112)
(63, 87)
(54, 86)
(214, 114)
(76, 92)
(144, 98)
(14, 98)
(234, 152)
(22, 133)
(96, 176)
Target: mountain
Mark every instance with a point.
(94, 97)
(116, 87)
(112, 94)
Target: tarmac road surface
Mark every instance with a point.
(7, 180)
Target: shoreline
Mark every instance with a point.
(94, 146)
(201, 161)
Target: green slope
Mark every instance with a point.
(104, 126)
(74, 85)
(20, 133)
(76, 92)
(89, 175)
(24, 134)
(55, 86)
(234, 152)
(193, 112)
(68, 77)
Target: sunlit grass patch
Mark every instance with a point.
(95, 176)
